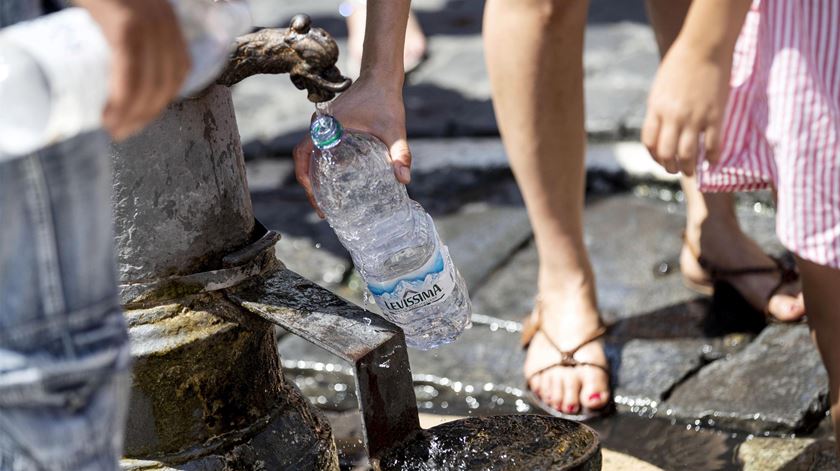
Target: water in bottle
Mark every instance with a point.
(54, 70)
(392, 240)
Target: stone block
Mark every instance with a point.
(777, 384)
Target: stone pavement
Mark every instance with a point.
(696, 366)
(449, 95)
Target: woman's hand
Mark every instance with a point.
(371, 106)
(686, 105)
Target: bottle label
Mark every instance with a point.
(426, 286)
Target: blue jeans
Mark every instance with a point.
(64, 356)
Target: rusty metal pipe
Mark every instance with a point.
(307, 54)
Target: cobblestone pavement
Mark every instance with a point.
(449, 94)
(705, 375)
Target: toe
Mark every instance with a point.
(786, 308)
(571, 394)
(595, 392)
(535, 383)
(554, 394)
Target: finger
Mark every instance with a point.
(712, 144)
(687, 150)
(666, 146)
(181, 61)
(302, 155)
(162, 80)
(122, 87)
(149, 100)
(401, 158)
(650, 133)
(171, 60)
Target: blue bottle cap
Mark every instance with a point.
(326, 132)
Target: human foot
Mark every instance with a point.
(415, 40)
(727, 248)
(567, 322)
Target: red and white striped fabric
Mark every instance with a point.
(782, 124)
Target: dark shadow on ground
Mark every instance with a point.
(441, 192)
(431, 112)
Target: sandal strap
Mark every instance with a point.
(530, 327)
(569, 363)
(786, 274)
(715, 272)
(567, 357)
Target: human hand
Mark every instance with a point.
(686, 104)
(368, 106)
(149, 60)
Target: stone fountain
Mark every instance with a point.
(203, 291)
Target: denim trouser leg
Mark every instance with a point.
(64, 359)
(12, 11)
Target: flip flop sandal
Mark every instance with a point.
(567, 360)
(718, 278)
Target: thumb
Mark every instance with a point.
(401, 157)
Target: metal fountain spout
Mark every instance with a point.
(307, 54)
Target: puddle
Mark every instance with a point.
(666, 444)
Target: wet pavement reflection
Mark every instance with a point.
(664, 443)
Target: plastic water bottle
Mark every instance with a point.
(392, 240)
(54, 70)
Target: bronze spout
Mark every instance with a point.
(307, 54)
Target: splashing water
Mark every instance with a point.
(325, 107)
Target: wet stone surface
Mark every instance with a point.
(649, 369)
(663, 337)
(785, 454)
(776, 384)
(675, 355)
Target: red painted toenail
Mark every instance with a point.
(595, 397)
(571, 409)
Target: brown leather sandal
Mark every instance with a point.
(718, 276)
(567, 360)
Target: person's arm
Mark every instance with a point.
(149, 60)
(374, 103)
(688, 98)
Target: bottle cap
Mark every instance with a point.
(326, 132)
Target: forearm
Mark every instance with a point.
(382, 59)
(712, 26)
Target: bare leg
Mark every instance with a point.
(822, 300)
(534, 57)
(711, 224)
(415, 39)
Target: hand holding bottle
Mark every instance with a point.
(366, 106)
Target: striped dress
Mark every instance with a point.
(782, 123)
